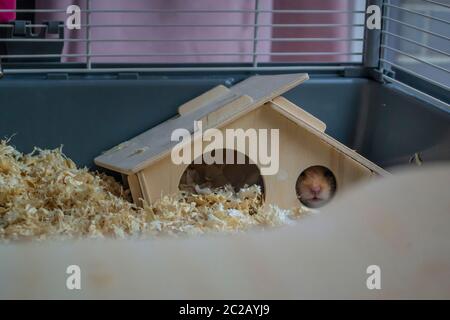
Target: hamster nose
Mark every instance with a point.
(316, 189)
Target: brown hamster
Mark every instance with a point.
(316, 186)
(205, 176)
(218, 175)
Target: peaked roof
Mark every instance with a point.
(133, 155)
(216, 108)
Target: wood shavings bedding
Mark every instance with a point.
(43, 195)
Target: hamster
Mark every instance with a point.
(316, 186)
(218, 175)
(205, 176)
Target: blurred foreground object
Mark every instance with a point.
(398, 223)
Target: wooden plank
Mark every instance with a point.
(135, 188)
(290, 109)
(154, 144)
(144, 187)
(220, 116)
(203, 100)
(336, 144)
(163, 178)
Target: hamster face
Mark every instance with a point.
(316, 186)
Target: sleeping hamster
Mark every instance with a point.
(316, 186)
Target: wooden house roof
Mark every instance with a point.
(218, 107)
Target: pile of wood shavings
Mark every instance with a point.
(43, 195)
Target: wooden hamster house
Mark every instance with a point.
(145, 161)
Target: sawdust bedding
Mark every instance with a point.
(43, 195)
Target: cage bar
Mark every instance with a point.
(333, 39)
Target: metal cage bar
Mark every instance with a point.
(417, 75)
(437, 3)
(238, 25)
(418, 13)
(88, 36)
(315, 41)
(415, 53)
(171, 11)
